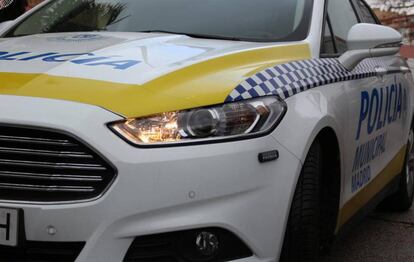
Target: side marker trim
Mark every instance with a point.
(268, 156)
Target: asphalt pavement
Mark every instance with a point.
(381, 237)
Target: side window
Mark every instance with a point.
(343, 17)
(365, 13)
(328, 43)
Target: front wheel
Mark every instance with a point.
(302, 238)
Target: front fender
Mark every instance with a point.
(310, 112)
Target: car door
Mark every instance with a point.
(375, 115)
(394, 74)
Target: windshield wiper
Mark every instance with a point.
(194, 35)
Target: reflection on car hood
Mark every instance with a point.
(134, 73)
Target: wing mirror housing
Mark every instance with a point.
(368, 41)
(5, 25)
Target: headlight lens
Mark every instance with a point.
(236, 120)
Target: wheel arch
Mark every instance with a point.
(318, 114)
(327, 131)
(331, 183)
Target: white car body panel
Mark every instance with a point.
(113, 220)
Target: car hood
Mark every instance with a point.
(134, 74)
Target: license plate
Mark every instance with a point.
(9, 227)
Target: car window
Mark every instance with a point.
(343, 17)
(328, 44)
(365, 13)
(258, 20)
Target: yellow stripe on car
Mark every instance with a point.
(201, 84)
(393, 169)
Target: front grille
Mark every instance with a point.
(42, 252)
(47, 166)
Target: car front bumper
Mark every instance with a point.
(160, 190)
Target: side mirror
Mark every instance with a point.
(5, 25)
(370, 40)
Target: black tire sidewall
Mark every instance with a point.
(302, 237)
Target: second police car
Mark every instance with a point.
(185, 130)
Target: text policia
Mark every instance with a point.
(86, 59)
(379, 108)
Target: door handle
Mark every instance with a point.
(405, 70)
(399, 69)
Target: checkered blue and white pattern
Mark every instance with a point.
(292, 78)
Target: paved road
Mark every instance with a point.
(381, 237)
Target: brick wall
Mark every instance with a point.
(32, 3)
(402, 22)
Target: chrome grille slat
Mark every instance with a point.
(51, 177)
(46, 166)
(75, 166)
(24, 187)
(23, 151)
(36, 140)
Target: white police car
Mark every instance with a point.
(182, 130)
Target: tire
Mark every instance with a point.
(302, 237)
(402, 200)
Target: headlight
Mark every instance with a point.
(238, 120)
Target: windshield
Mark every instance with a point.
(250, 20)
